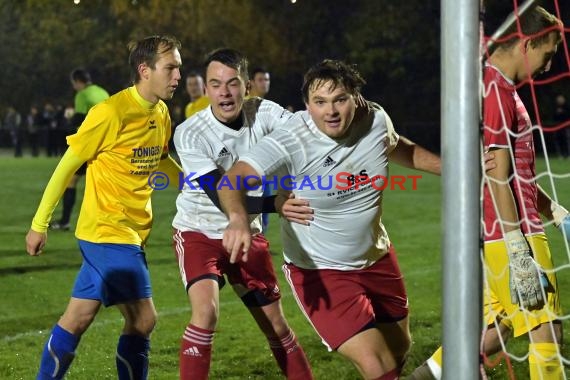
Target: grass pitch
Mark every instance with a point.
(35, 290)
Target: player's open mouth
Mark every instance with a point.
(333, 123)
(227, 106)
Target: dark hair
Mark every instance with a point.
(81, 75)
(228, 57)
(193, 73)
(148, 51)
(258, 70)
(538, 24)
(337, 72)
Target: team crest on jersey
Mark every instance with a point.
(152, 125)
(224, 153)
(329, 162)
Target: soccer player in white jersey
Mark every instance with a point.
(341, 266)
(515, 301)
(208, 144)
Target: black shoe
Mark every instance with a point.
(58, 226)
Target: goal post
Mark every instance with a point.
(462, 290)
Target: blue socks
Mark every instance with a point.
(132, 357)
(59, 352)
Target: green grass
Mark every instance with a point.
(35, 290)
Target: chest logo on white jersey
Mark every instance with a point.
(329, 162)
(224, 153)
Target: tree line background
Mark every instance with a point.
(395, 44)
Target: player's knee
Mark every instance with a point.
(143, 324)
(76, 324)
(205, 316)
(548, 333)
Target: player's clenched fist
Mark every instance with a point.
(35, 242)
(525, 284)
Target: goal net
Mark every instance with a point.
(546, 97)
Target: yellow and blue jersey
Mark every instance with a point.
(122, 139)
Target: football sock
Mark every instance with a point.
(290, 357)
(195, 353)
(435, 362)
(132, 357)
(68, 201)
(543, 362)
(423, 372)
(59, 352)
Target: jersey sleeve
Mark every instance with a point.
(499, 116)
(274, 115)
(81, 104)
(192, 152)
(61, 176)
(97, 133)
(391, 136)
(275, 153)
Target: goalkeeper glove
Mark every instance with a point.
(524, 273)
(561, 219)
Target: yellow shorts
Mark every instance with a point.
(497, 295)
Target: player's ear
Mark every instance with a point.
(525, 45)
(144, 71)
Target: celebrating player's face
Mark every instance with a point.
(226, 90)
(331, 110)
(166, 74)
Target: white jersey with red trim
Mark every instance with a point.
(347, 232)
(507, 125)
(205, 144)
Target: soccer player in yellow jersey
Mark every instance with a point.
(123, 140)
(196, 90)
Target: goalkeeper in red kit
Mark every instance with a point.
(520, 290)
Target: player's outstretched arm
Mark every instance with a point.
(237, 236)
(410, 155)
(37, 236)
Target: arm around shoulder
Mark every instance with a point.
(410, 155)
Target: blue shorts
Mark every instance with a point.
(112, 273)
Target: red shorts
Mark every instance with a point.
(340, 304)
(200, 257)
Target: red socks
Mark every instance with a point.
(195, 353)
(290, 357)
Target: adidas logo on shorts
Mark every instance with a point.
(224, 152)
(329, 162)
(192, 351)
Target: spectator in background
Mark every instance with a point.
(196, 91)
(33, 123)
(49, 124)
(259, 82)
(13, 124)
(88, 95)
